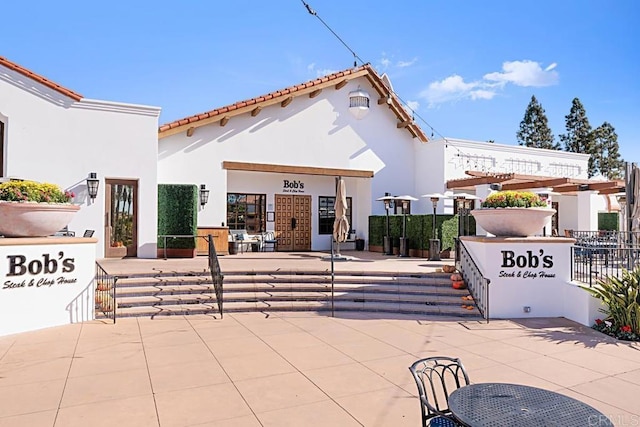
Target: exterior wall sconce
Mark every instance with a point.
(204, 195)
(359, 103)
(92, 185)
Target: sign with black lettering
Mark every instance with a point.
(292, 186)
(527, 265)
(46, 270)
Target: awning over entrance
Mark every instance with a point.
(515, 181)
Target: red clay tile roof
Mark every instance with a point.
(366, 70)
(15, 67)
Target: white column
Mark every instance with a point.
(587, 213)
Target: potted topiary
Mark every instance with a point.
(33, 209)
(513, 213)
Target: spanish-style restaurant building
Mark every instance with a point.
(270, 163)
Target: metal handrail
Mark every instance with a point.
(216, 273)
(105, 292)
(477, 284)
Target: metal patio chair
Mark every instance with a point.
(436, 377)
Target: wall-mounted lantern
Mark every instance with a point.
(359, 103)
(204, 195)
(92, 185)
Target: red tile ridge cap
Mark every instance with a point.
(40, 79)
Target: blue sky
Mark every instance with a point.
(468, 68)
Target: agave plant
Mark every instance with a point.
(621, 297)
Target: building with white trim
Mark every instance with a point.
(270, 162)
(51, 134)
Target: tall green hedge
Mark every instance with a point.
(177, 214)
(419, 230)
(608, 221)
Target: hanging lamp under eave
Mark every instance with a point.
(359, 103)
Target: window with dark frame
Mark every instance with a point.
(246, 212)
(327, 214)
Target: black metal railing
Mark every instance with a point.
(477, 284)
(105, 292)
(593, 261)
(216, 273)
(606, 237)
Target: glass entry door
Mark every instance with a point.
(121, 219)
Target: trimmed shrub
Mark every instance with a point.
(608, 221)
(177, 214)
(419, 230)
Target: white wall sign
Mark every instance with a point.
(43, 285)
(531, 277)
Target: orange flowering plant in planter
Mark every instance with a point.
(514, 199)
(513, 214)
(31, 191)
(33, 209)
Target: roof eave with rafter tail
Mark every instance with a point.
(40, 79)
(283, 96)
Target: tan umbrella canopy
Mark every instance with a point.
(341, 223)
(635, 212)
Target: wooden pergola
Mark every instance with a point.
(515, 181)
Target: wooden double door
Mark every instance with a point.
(293, 222)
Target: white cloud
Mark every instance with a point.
(520, 73)
(404, 64)
(524, 73)
(481, 94)
(311, 68)
(450, 89)
(413, 105)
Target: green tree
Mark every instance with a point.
(608, 160)
(534, 128)
(579, 137)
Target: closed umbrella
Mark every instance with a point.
(635, 212)
(341, 223)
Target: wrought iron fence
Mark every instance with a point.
(590, 262)
(105, 293)
(611, 237)
(478, 284)
(216, 274)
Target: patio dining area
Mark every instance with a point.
(294, 369)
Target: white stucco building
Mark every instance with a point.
(51, 134)
(270, 162)
(284, 150)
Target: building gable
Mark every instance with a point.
(284, 97)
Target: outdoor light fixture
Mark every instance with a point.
(404, 242)
(204, 195)
(359, 103)
(92, 185)
(434, 247)
(496, 187)
(386, 245)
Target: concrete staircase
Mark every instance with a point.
(184, 293)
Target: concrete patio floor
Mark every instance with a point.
(298, 369)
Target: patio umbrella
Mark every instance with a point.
(341, 223)
(635, 188)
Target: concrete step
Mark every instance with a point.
(183, 293)
(299, 306)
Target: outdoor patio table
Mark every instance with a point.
(501, 404)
